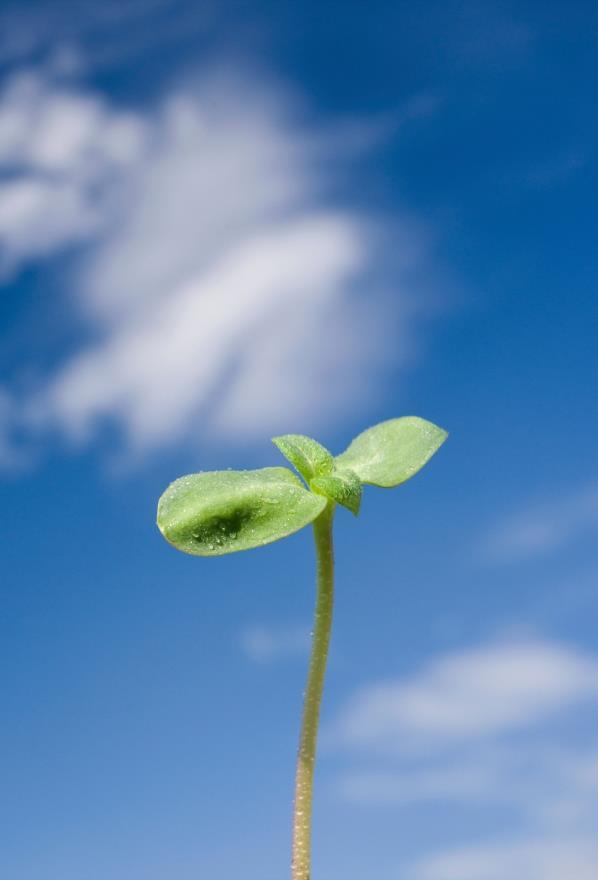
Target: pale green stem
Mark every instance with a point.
(301, 864)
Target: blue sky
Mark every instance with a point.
(221, 223)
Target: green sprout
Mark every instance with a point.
(219, 512)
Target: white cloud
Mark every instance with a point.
(488, 690)
(265, 644)
(38, 216)
(545, 528)
(62, 155)
(223, 290)
(533, 859)
(161, 369)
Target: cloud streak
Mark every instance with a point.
(488, 690)
(544, 529)
(535, 859)
(267, 644)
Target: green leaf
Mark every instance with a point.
(218, 512)
(392, 452)
(308, 456)
(343, 486)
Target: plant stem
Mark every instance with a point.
(301, 864)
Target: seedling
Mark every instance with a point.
(218, 512)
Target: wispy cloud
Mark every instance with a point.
(470, 781)
(471, 730)
(10, 458)
(533, 859)
(222, 288)
(266, 643)
(549, 785)
(547, 795)
(110, 32)
(487, 690)
(542, 529)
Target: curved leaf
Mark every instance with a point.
(308, 456)
(342, 486)
(393, 451)
(219, 512)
